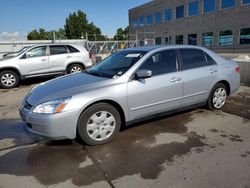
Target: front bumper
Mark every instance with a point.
(56, 126)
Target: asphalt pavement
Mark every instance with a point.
(195, 148)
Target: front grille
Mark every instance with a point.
(27, 105)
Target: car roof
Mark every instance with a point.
(158, 47)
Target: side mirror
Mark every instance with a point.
(144, 73)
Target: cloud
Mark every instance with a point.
(7, 36)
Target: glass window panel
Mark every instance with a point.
(192, 39)
(193, 8)
(161, 63)
(157, 17)
(226, 38)
(207, 39)
(180, 11)
(135, 23)
(245, 36)
(192, 58)
(149, 19)
(245, 1)
(227, 3)
(141, 21)
(179, 39)
(168, 14)
(209, 6)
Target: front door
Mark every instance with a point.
(159, 93)
(35, 61)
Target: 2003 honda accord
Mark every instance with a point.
(127, 86)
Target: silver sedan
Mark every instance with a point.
(128, 86)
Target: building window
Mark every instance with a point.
(158, 41)
(193, 8)
(180, 11)
(227, 4)
(141, 21)
(168, 40)
(149, 19)
(207, 39)
(245, 36)
(157, 17)
(192, 39)
(209, 6)
(226, 38)
(168, 14)
(179, 39)
(135, 23)
(245, 1)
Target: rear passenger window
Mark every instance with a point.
(57, 50)
(161, 63)
(210, 60)
(72, 49)
(192, 58)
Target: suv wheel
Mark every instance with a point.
(217, 97)
(75, 68)
(9, 79)
(99, 124)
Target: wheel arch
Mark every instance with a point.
(11, 69)
(116, 105)
(226, 83)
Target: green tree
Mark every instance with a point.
(42, 34)
(76, 25)
(121, 34)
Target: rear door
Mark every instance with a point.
(58, 57)
(198, 73)
(34, 61)
(159, 93)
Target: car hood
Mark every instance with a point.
(66, 86)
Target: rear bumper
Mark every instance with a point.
(56, 126)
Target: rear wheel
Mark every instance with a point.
(217, 97)
(9, 79)
(99, 124)
(75, 68)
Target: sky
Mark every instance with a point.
(18, 17)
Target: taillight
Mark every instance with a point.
(90, 55)
(237, 69)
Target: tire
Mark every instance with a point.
(74, 68)
(217, 97)
(99, 124)
(9, 79)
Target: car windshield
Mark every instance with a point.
(116, 64)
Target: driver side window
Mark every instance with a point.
(161, 63)
(36, 52)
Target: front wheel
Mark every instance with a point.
(99, 124)
(217, 97)
(9, 79)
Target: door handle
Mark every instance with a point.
(69, 56)
(212, 71)
(44, 60)
(174, 79)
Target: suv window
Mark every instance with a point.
(36, 52)
(161, 63)
(192, 58)
(72, 49)
(57, 50)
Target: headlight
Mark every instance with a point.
(50, 107)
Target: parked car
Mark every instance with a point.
(43, 60)
(9, 55)
(128, 86)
